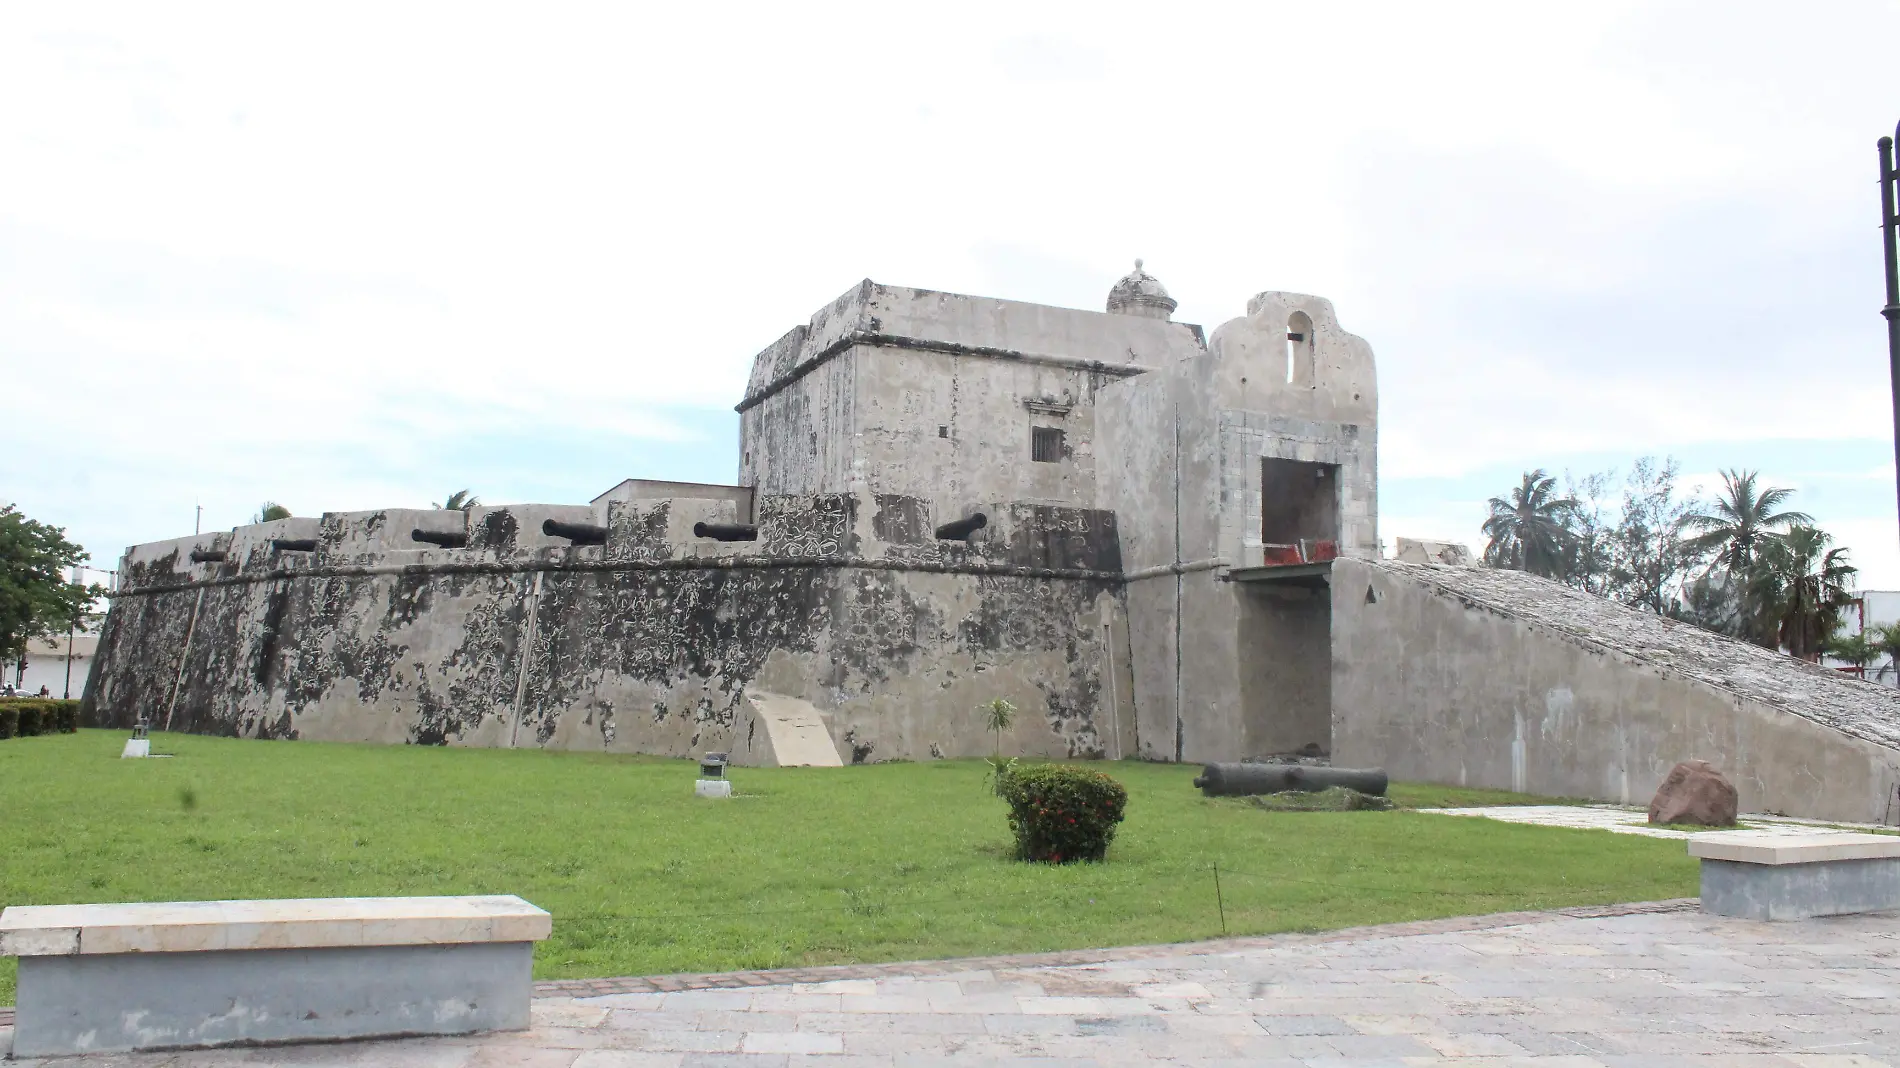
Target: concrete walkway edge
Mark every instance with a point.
(654, 984)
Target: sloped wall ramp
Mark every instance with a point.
(1491, 678)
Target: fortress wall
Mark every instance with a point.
(897, 390)
(645, 644)
(799, 439)
(956, 428)
(1501, 679)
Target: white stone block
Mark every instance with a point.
(137, 747)
(314, 923)
(1746, 847)
(712, 788)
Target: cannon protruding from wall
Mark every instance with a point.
(1239, 780)
(961, 529)
(726, 531)
(293, 545)
(447, 539)
(578, 533)
(207, 556)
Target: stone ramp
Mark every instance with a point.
(786, 732)
(1494, 678)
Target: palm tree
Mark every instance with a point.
(998, 715)
(1530, 530)
(1858, 650)
(1887, 640)
(460, 501)
(1799, 589)
(1741, 521)
(270, 511)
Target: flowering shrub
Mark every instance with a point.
(1060, 813)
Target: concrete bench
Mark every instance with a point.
(1793, 876)
(112, 978)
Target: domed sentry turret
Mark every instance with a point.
(1139, 293)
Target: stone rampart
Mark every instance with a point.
(348, 629)
(1493, 678)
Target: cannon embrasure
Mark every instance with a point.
(577, 533)
(293, 545)
(447, 539)
(726, 531)
(207, 556)
(961, 529)
(1239, 780)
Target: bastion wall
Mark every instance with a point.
(647, 643)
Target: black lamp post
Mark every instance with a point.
(1890, 244)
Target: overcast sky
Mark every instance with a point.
(356, 257)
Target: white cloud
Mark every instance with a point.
(266, 245)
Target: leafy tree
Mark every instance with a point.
(1531, 529)
(1592, 531)
(36, 600)
(1741, 521)
(1712, 601)
(270, 511)
(460, 501)
(1798, 590)
(1649, 555)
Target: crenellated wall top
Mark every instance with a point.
(885, 531)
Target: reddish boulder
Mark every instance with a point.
(1694, 792)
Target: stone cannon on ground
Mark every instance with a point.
(1239, 780)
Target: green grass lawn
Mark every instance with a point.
(806, 866)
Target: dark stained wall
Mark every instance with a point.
(648, 643)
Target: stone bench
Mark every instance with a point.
(112, 978)
(1794, 876)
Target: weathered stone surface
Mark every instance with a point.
(891, 412)
(1694, 792)
(1419, 551)
(1187, 454)
(1141, 486)
(645, 644)
(1493, 678)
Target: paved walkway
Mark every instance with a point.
(1624, 819)
(1638, 986)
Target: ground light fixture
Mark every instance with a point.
(712, 780)
(140, 744)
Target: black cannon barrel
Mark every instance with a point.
(961, 529)
(1234, 780)
(293, 545)
(448, 539)
(207, 556)
(726, 531)
(578, 533)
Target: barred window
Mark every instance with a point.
(1045, 444)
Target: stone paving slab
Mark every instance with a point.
(1649, 985)
(1627, 819)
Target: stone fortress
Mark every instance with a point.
(1155, 543)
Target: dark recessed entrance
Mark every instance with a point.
(1299, 510)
